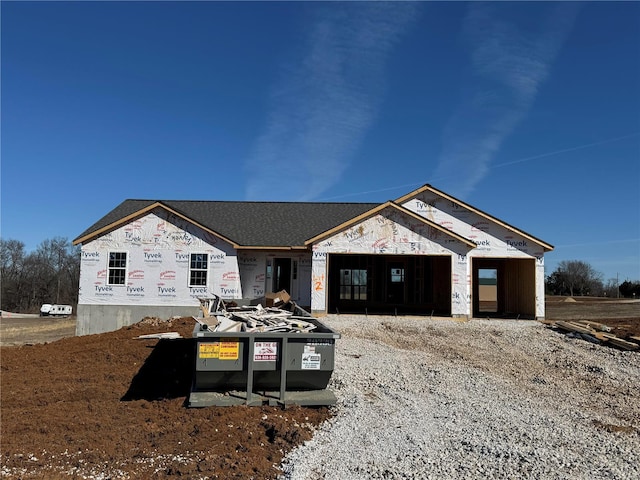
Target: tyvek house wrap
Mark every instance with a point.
(392, 232)
(493, 240)
(158, 247)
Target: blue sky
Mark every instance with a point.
(528, 111)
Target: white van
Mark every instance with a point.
(48, 309)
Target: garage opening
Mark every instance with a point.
(383, 284)
(504, 287)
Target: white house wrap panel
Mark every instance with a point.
(158, 247)
(493, 240)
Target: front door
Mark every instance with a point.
(282, 274)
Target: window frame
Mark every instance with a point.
(355, 289)
(204, 271)
(112, 268)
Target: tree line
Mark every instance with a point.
(578, 278)
(50, 274)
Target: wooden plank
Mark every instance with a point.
(547, 322)
(619, 342)
(595, 325)
(159, 335)
(574, 327)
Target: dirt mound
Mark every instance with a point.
(113, 406)
(570, 300)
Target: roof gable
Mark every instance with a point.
(428, 188)
(379, 208)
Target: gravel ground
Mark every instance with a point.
(476, 400)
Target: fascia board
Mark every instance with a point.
(143, 211)
(116, 224)
(546, 246)
(302, 248)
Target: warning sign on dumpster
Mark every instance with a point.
(229, 349)
(223, 350)
(265, 351)
(208, 350)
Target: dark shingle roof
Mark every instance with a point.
(257, 224)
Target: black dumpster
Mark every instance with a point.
(257, 368)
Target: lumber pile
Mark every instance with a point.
(256, 318)
(593, 332)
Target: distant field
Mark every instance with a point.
(19, 330)
(621, 314)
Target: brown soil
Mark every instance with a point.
(112, 406)
(623, 316)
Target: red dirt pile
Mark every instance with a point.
(113, 406)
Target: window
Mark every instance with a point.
(117, 274)
(198, 269)
(353, 284)
(397, 275)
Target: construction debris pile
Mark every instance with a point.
(288, 317)
(594, 332)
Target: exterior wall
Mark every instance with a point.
(390, 232)
(493, 240)
(158, 246)
(520, 289)
(253, 267)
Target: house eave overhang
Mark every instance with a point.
(546, 246)
(302, 248)
(378, 209)
(143, 211)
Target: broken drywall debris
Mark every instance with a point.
(288, 318)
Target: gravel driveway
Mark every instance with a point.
(475, 400)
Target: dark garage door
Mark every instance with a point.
(386, 284)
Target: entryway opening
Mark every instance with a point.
(282, 274)
(504, 287)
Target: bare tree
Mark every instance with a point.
(50, 274)
(575, 277)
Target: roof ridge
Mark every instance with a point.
(289, 202)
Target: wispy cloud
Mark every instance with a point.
(508, 66)
(326, 101)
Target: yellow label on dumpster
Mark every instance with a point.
(208, 350)
(229, 349)
(223, 350)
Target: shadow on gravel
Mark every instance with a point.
(166, 373)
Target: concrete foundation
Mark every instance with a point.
(107, 318)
